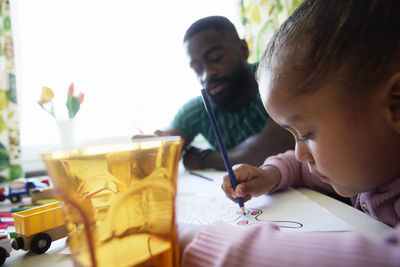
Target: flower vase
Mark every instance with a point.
(66, 128)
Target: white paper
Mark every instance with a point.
(290, 210)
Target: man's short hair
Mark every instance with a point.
(219, 23)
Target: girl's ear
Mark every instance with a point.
(394, 101)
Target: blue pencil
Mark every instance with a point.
(221, 146)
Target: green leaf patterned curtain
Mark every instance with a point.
(10, 153)
(261, 18)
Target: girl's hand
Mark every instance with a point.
(251, 181)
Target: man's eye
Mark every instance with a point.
(305, 137)
(215, 57)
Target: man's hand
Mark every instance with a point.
(139, 136)
(155, 134)
(251, 181)
(192, 159)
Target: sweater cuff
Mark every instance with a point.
(278, 162)
(204, 250)
(223, 245)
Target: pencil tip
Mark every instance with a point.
(243, 210)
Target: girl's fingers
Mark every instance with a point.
(227, 187)
(246, 198)
(233, 197)
(255, 188)
(251, 181)
(243, 173)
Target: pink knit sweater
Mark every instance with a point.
(264, 245)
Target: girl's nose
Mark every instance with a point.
(302, 152)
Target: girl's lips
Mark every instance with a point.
(324, 178)
(321, 176)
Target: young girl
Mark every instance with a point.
(331, 76)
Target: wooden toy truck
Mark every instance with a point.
(5, 246)
(42, 194)
(19, 189)
(38, 227)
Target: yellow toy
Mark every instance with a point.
(38, 227)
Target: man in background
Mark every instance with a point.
(219, 59)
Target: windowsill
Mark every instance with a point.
(33, 164)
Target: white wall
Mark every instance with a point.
(125, 55)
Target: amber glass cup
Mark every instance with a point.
(119, 201)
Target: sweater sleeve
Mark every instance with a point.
(296, 174)
(264, 245)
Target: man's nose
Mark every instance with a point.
(302, 152)
(207, 74)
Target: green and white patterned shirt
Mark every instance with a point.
(192, 119)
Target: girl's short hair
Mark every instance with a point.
(351, 42)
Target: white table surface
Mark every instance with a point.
(59, 255)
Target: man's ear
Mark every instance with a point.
(244, 48)
(393, 87)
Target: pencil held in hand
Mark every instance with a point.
(221, 146)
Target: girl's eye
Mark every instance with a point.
(305, 137)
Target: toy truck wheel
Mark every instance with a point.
(15, 198)
(17, 243)
(40, 243)
(3, 256)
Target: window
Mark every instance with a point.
(126, 56)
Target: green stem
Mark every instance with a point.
(51, 111)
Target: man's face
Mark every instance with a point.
(220, 65)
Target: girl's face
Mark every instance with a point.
(350, 149)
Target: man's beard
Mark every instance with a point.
(236, 87)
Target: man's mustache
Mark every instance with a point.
(215, 82)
